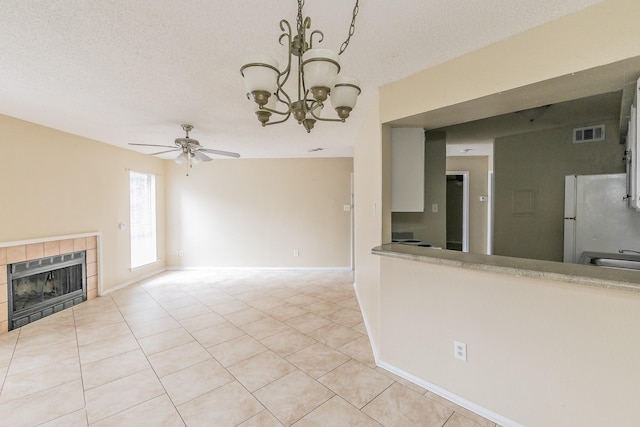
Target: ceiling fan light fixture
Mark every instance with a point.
(182, 158)
(317, 74)
(191, 152)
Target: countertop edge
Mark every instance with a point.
(599, 277)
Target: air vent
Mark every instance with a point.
(588, 134)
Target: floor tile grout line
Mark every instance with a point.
(150, 367)
(13, 352)
(84, 396)
(306, 334)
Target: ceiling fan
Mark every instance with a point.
(190, 150)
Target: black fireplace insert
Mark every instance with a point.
(41, 287)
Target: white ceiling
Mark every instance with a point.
(124, 71)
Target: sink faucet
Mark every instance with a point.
(621, 251)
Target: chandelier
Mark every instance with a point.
(318, 78)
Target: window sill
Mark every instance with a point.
(144, 266)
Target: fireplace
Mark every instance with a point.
(41, 287)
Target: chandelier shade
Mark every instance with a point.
(261, 74)
(345, 92)
(321, 67)
(317, 71)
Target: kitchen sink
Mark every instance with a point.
(629, 262)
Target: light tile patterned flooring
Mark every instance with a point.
(224, 348)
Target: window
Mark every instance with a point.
(142, 200)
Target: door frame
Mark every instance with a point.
(465, 207)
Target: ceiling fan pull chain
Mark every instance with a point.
(352, 29)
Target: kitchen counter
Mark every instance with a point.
(587, 275)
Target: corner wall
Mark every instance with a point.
(54, 183)
(561, 47)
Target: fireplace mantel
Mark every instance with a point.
(25, 250)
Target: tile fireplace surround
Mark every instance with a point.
(12, 252)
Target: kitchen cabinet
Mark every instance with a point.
(407, 170)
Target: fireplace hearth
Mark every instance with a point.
(41, 287)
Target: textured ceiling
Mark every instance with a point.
(124, 71)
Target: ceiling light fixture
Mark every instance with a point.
(317, 74)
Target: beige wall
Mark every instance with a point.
(478, 168)
(256, 212)
(522, 164)
(599, 35)
(611, 372)
(53, 183)
(369, 180)
(540, 353)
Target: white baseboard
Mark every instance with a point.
(490, 415)
(163, 269)
(259, 268)
(131, 282)
(452, 397)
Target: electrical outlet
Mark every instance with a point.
(434, 208)
(181, 252)
(460, 351)
(296, 252)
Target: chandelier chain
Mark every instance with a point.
(299, 18)
(352, 28)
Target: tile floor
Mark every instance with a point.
(228, 348)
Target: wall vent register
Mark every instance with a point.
(588, 134)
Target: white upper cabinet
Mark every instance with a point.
(407, 170)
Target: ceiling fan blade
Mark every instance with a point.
(162, 152)
(202, 156)
(220, 152)
(153, 145)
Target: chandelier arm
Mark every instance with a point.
(279, 121)
(327, 120)
(283, 76)
(314, 107)
(282, 113)
(321, 35)
(352, 28)
(287, 101)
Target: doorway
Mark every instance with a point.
(458, 211)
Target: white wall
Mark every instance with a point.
(256, 212)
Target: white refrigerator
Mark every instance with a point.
(597, 217)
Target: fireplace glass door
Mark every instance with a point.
(45, 286)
